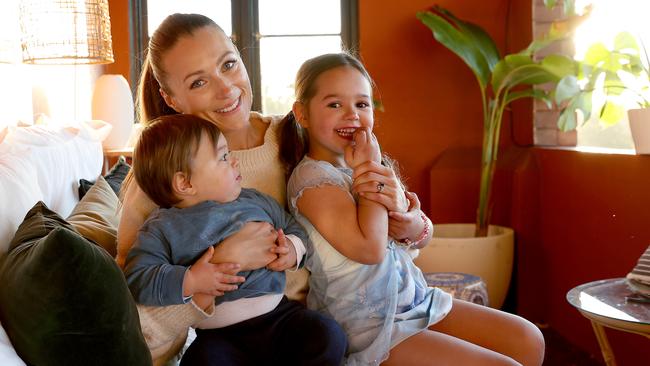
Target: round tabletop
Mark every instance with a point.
(608, 302)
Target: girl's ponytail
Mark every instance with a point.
(294, 142)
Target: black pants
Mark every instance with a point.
(288, 335)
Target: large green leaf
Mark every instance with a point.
(626, 43)
(529, 93)
(532, 74)
(560, 65)
(596, 54)
(461, 43)
(611, 113)
(566, 89)
(487, 46)
(579, 102)
(567, 120)
(583, 103)
(506, 66)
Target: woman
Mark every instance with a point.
(193, 67)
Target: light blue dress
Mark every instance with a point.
(379, 305)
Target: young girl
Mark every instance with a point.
(360, 276)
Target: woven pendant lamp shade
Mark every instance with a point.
(66, 32)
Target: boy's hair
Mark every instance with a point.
(166, 146)
(294, 142)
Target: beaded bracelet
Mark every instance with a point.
(423, 234)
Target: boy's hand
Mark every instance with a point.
(286, 254)
(209, 278)
(365, 148)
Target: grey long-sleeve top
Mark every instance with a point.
(172, 239)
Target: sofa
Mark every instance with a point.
(63, 300)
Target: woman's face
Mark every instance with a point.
(207, 78)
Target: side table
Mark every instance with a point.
(111, 156)
(606, 304)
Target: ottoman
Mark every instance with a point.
(461, 286)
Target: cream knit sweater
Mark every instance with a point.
(165, 328)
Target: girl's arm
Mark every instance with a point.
(357, 230)
(251, 247)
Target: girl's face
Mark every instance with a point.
(215, 174)
(207, 78)
(342, 103)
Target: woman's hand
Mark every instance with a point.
(365, 148)
(252, 247)
(402, 225)
(380, 184)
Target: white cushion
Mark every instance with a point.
(40, 163)
(8, 356)
(61, 157)
(19, 191)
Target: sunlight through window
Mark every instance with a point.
(607, 19)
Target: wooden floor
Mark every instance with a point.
(559, 352)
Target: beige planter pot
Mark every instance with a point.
(455, 249)
(640, 129)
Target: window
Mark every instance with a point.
(274, 37)
(607, 19)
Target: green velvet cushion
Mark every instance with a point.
(64, 301)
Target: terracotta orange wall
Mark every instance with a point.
(119, 12)
(431, 100)
(594, 225)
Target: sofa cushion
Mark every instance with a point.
(96, 216)
(19, 191)
(114, 177)
(64, 301)
(42, 163)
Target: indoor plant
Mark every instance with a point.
(609, 81)
(501, 80)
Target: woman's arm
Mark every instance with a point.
(413, 225)
(251, 247)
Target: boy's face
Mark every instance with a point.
(215, 174)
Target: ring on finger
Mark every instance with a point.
(380, 187)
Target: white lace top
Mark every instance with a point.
(378, 305)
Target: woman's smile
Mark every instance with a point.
(236, 104)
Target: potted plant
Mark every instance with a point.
(609, 81)
(501, 80)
